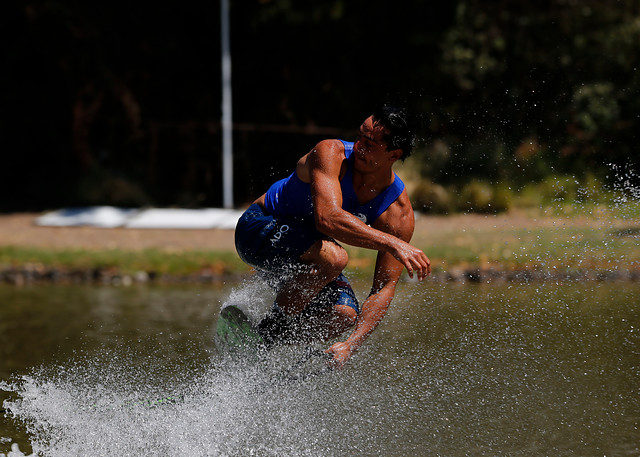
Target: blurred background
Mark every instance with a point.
(119, 103)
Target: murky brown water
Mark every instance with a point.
(454, 370)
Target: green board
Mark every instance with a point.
(234, 330)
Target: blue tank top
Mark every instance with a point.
(291, 197)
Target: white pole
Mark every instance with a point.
(227, 123)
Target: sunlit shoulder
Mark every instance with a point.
(398, 219)
(327, 154)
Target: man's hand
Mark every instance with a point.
(413, 259)
(341, 353)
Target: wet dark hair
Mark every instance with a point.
(401, 126)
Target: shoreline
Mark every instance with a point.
(474, 248)
(29, 275)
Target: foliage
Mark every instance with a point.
(563, 192)
(120, 102)
(553, 82)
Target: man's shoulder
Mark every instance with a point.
(398, 219)
(330, 146)
(327, 154)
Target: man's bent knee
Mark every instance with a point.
(346, 315)
(342, 319)
(328, 255)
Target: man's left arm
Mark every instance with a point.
(373, 309)
(398, 221)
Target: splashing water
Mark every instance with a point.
(531, 370)
(15, 452)
(625, 184)
(509, 369)
(98, 404)
(95, 409)
(234, 408)
(593, 237)
(254, 297)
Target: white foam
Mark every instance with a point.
(231, 409)
(16, 452)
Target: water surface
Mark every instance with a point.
(454, 370)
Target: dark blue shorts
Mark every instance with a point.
(274, 246)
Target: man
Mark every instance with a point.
(339, 192)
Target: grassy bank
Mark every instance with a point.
(568, 246)
(80, 264)
(565, 238)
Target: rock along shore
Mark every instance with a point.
(39, 274)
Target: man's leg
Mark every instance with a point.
(333, 311)
(322, 263)
(316, 267)
(324, 324)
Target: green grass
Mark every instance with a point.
(124, 262)
(582, 237)
(595, 237)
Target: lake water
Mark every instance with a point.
(499, 369)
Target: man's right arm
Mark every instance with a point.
(323, 165)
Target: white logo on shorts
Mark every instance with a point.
(278, 234)
(362, 217)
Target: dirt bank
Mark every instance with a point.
(20, 230)
(431, 232)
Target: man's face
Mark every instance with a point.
(370, 148)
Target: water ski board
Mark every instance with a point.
(234, 329)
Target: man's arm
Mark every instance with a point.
(399, 222)
(323, 166)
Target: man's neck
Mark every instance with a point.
(368, 185)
